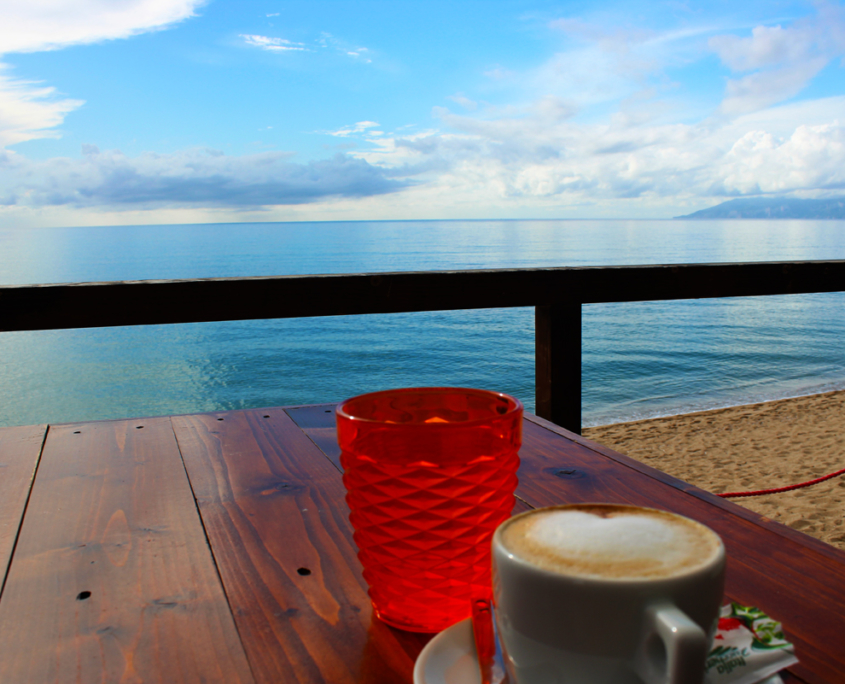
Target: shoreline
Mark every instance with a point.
(829, 388)
(750, 447)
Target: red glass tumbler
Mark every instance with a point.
(429, 474)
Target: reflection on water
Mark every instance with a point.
(640, 359)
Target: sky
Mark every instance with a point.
(190, 111)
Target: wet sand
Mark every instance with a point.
(753, 447)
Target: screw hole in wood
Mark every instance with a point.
(566, 473)
(82, 595)
(304, 571)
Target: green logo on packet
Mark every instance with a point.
(725, 659)
(748, 647)
(767, 633)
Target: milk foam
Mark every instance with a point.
(611, 542)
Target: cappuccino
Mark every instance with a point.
(607, 541)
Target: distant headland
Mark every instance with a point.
(774, 208)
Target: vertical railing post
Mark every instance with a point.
(557, 350)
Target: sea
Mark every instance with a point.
(640, 360)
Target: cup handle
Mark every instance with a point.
(674, 649)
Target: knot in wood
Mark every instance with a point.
(566, 473)
(279, 487)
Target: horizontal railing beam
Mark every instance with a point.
(149, 302)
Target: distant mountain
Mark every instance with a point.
(774, 208)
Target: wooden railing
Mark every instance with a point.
(556, 293)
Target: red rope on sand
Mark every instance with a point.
(777, 490)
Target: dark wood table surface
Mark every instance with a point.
(217, 548)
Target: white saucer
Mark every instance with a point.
(449, 658)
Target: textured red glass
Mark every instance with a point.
(429, 473)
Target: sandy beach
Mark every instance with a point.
(753, 447)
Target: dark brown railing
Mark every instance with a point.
(556, 293)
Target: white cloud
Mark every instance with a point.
(782, 60)
(596, 124)
(273, 44)
(599, 124)
(523, 165)
(362, 54)
(539, 161)
(194, 177)
(766, 47)
(355, 129)
(588, 76)
(811, 159)
(36, 25)
(30, 110)
(326, 40)
(464, 101)
(764, 88)
(609, 39)
(603, 63)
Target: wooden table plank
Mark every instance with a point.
(274, 511)
(274, 504)
(112, 579)
(318, 422)
(781, 572)
(20, 448)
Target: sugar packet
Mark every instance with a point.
(749, 647)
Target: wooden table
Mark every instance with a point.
(217, 548)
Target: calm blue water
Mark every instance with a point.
(640, 360)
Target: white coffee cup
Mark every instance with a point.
(606, 594)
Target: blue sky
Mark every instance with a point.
(160, 111)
